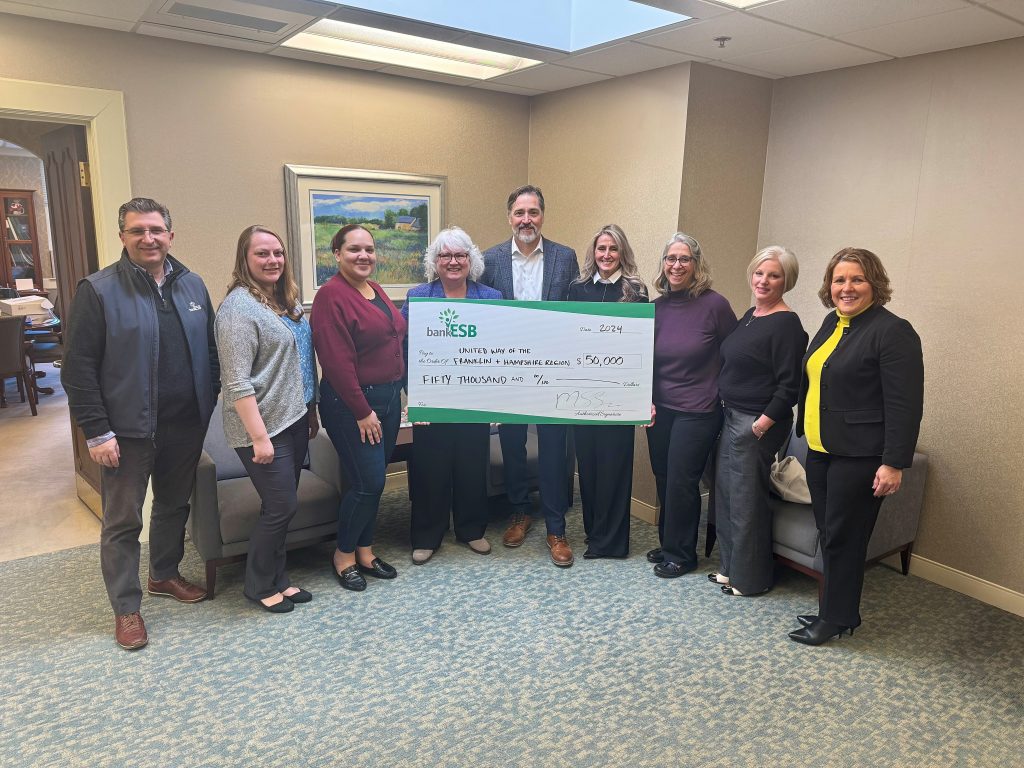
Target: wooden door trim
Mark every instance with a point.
(102, 112)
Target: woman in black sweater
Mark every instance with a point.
(759, 384)
(604, 453)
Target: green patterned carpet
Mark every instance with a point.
(503, 661)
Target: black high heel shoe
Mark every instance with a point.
(806, 619)
(819, 632)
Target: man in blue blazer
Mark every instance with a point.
(530, 268)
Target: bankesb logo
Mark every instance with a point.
(452, 328)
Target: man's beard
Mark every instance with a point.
(527, 234)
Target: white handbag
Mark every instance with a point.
(789, 481)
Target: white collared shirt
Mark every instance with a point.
(528, 273)
(613, 279)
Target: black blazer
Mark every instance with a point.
(872, 388)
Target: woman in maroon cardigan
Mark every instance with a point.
(358, 335)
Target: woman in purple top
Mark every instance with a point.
(690, 323)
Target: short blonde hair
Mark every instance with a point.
(785, 257)
(701, 270)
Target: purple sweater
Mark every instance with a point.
(688, 333)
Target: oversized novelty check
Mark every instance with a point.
(530, 362)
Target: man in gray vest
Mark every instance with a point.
(142, 379)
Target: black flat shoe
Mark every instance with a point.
(350, 578)
(302, 596)
(670, 570)
(717, 578)
(655, 556)
(285, 606)
(819, 632)
(806, 619)
(378, 569)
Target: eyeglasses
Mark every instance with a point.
(673, 260)
(143, 231)
(459, 258)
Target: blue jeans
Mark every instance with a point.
(679, 444)
(365, 464)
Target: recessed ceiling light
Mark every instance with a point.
(339, 38)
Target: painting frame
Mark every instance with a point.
(308, 186)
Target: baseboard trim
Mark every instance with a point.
(641, 510)
(985, 591)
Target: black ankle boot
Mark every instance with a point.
(819, 632)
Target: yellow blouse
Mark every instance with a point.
(812, 404)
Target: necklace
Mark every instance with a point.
(754, 315)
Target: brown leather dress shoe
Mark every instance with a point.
(130, 631)
(178, 588)
(561, 553)
(516, 532)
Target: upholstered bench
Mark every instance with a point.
(225, 505)
(795, 535)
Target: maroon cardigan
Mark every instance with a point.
(356, 344)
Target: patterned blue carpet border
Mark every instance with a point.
(503, 660)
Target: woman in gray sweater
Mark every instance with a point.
(269, 383)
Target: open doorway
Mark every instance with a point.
(49, 249)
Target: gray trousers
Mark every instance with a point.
(743, 520)
(170, 458)
(277, 484)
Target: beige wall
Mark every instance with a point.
(209, 129)
(612, 152)
(723, 170)
(920, 161)
(678, 147)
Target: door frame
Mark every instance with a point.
(102, 113)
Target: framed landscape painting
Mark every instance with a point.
(403, 212)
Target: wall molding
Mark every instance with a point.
(641, 510)
(986, 591)
(966, 584)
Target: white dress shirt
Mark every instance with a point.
(528, 273)
(613, 279)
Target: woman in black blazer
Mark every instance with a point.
(860, 407)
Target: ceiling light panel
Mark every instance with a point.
(340, 38)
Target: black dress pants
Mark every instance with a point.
(448, 477)
(679, 444)
(845, 511)
(604, 458)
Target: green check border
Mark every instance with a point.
(616, 309)
(466, 416)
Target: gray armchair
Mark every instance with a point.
(225, 505)
(795, 535)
